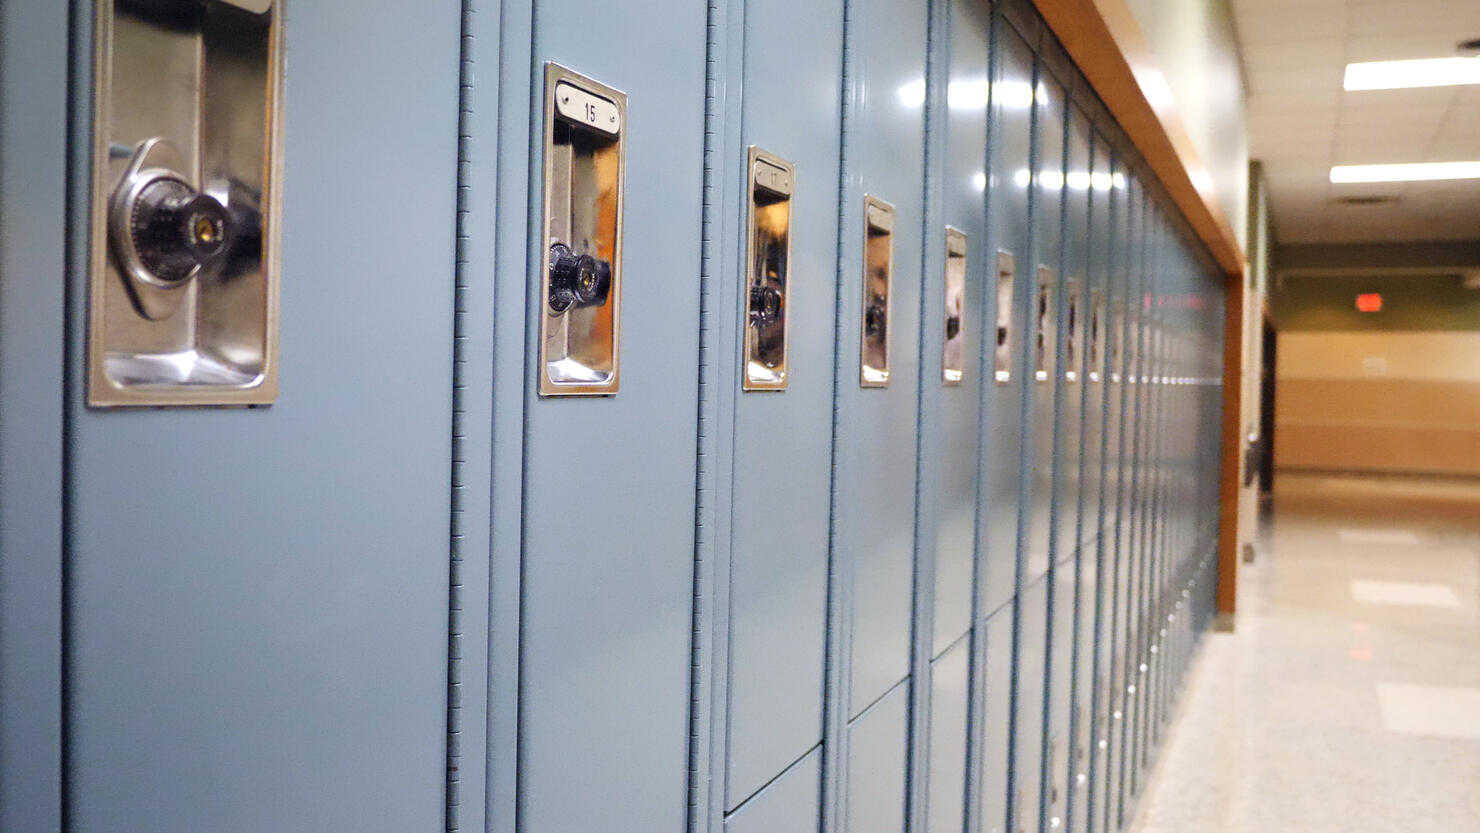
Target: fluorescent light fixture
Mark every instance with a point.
(1409, 172)
(1425, 72)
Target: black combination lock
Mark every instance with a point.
(875, 318)
(178, 232)
(577, 280)
(163, 231)
(766, 305)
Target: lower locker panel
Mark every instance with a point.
(786, 805)
(996, 720)
(1084, 680)
(876, 765)
(1028, 712)
(1059, 754)
(947, 781)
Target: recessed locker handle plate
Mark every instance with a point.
(1044, 333)
(580, 301)
(1095, 337)
(1072, 327)
(953, 357)
(878, 276)
(771, 181)
(186, 177)
(1002, 355)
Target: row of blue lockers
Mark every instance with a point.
(743, 416)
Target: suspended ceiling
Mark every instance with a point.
(1301, 122)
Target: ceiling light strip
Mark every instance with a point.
(1426, 72)
(1409, 172)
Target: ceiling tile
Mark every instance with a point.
(1436, 98)
(1245, 6)
(1291, 23)
(1455, 147)
(1413, 17)
(1296, 54)
(1314, 106)
(1434, 44)
(1280, 81)
(1300, 121)
(1380, 153)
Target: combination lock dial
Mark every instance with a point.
(176, 231)
(577, 280)
(765, 305)
(875, 318)
(163, 232)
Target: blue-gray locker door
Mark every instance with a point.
(1041, 363)
(33, 247)
(1011, 278)
(953, 359)
(876, 422)
(1085, 790)
(1068, 606)
(257, 598)
(1145, 488)
(785, 92)
(1134, 495)
(1125, 218)
(1013, 98)
(607, 551)
(958, 565)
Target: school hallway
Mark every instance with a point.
(1348, 697)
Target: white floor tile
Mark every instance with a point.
(1389, 537)
(1423, 594)
(1435, 711)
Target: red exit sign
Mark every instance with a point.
(1369, 302)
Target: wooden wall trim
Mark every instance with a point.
(1104, 39)
(1230, 451)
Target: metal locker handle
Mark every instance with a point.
(1006, 275)
(767, 273)
(953, 356)
(1043, 347)
(878, 303)
(1096, 334)
(186, 172)
(581, 286)
(1072, 327)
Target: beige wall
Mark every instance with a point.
(1380, 401)
(1250, 371)
(1197, 51)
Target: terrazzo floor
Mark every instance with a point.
(1347, 699)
